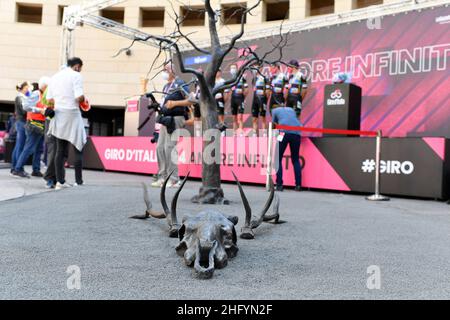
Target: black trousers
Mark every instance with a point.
(50, 174)
(293, 141)
(62, 146)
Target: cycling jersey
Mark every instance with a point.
(238, 89)
(261, 85)
(219, 96)
(297, 83)
(277, 86)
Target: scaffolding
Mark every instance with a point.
(83, 14)
(76, 15)
(367, 13)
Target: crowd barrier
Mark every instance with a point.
(377, 134)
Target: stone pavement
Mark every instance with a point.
(12, 187)
(324, 251)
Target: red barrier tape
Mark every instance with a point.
(332, 131)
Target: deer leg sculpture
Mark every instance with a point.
(252, 222)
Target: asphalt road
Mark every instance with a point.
(323, 251)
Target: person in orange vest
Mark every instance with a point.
(34, 130)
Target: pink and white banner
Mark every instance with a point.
(409, 166)
(246, 156)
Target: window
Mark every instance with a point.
(153, 17)
(366, 3)
(192, 16)
(232, 13)
(115, 14)
(105, 121)
(29, 13)
(276, 10)
(61, 14)
(318, 7)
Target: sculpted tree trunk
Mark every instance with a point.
(211, 191)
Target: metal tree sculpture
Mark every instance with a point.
(211, 191)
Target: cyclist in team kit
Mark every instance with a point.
(296, 88)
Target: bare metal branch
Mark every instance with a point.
(125, 49)
(179, 21)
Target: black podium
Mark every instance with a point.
(342, 107)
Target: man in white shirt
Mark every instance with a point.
(66, 92)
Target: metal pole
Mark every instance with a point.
(377, 196)
(269, 156)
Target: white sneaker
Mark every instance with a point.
(78, 184)
(173, 184)
(60, 186)
(158, 183)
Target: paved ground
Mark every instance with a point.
(323, 251)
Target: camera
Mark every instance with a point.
(168, 122)
(49, 113)
(155, 137)
(154, 105)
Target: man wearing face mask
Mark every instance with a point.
(238, 94)
(174, 113)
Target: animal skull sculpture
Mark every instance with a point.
(208, 239)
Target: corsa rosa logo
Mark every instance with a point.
(336, 98)
(336, 94)
(137, 155)
(388, 167)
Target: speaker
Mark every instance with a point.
(342, 107)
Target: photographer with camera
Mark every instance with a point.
(173, 115)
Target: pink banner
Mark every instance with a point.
(128, 154)
(246, 156)
(132, 106)
(2, 141)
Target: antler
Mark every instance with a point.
(246, 231)
(172, 213)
